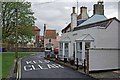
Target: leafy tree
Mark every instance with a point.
(20, 15)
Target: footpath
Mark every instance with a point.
(112, 74)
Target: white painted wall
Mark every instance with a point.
(73, 20)
(103, 59)
(104, 38)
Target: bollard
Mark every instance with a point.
(84, 65)
(65, 60)
(77, 63)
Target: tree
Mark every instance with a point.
(25, 20)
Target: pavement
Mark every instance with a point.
(36, 67)
(107, 74)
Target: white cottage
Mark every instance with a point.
(97, 34)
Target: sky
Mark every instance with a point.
(57, 13)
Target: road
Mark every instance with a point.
(37, 67)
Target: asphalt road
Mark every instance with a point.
(37, 67)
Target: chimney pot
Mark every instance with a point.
(73, 19)
(73, 9)
(83, 13)
(99, 8)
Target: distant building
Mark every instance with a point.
(51, 39)
(42, 41)
(93, 40)
(35, 40)
(37, 36)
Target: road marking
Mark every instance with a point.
(40, 67)
(51, 66)
(29, 62)
(28, 68)
(37, 61)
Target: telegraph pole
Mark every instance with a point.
(44, 34)
(77, 7)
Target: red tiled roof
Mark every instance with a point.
(36, 28)
(50, 34)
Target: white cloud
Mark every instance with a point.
(66, 7)
(57, 14)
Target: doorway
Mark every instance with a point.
(87, 45)
(79, 51)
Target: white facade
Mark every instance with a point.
(94, 37)
(105, 59)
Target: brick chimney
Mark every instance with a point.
(98, 8)
(83, 13)
(73, 19)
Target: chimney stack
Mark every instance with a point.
(83, 13)
(98, 8)
(73, 9)
(73, 19)
(44, 29)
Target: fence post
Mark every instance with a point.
(85, 65)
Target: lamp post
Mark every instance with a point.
(16, 33)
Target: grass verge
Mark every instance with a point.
(8, 61)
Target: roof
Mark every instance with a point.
(36, 28)
(85, 37)
(50, 34)
(78, 23)
(93, 19)
(102, 24)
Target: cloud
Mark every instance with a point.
(72, 0)
(56, 14)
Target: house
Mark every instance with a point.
(93, 40)
(51, 38)
(37, 36)
(41, 41)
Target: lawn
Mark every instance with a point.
(8, 61)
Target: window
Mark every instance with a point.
(61, 45)
(87, 45)
(61, 49)
(66, 45)
(66, 49)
